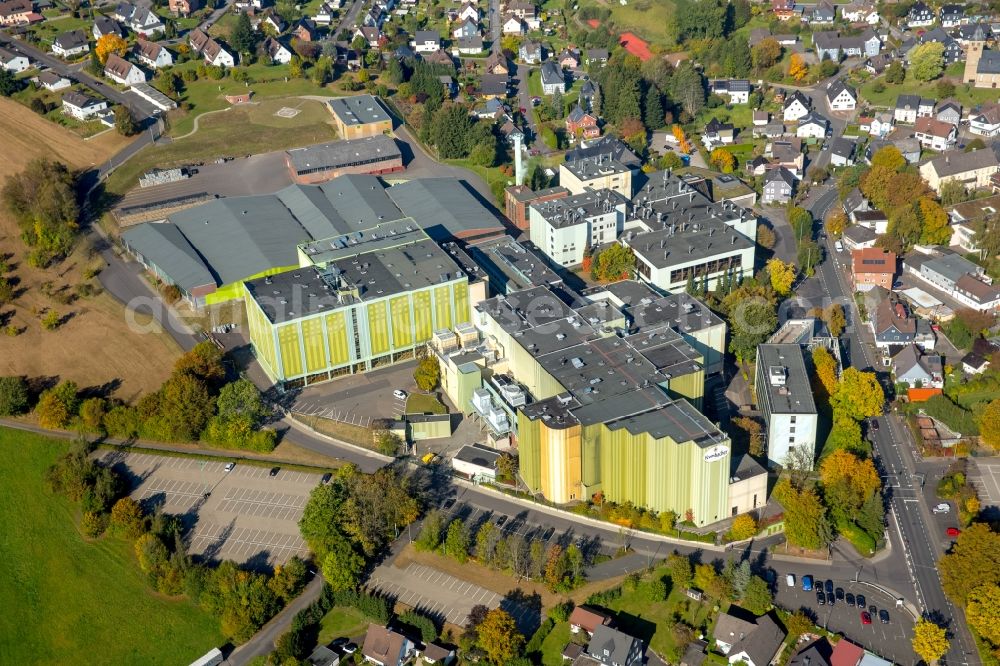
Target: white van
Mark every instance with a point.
(839, 246)
(790, 580)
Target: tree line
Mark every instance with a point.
(196, 403)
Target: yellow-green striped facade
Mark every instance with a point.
(355, 337)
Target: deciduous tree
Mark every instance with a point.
(43, 200)
(848, 481)
(124, 122)
(765, 237)
(782, 276)
(13, 396)
(765, 53)
(456, 542)
(989, 424)
(936, 230)
(127, 518)
(428, 373)
(342, 565)
(203, 361)
(888, 157)
(108, 44)
(835, 319)
(57, 405)
(797, 68)
(983, 612)
(498, 637)
(858, 395)
(743, 527)
(756, 596)
(973, 560)
(806, 524)
(723, 160)
(927, 61)
(930, 641)
(614, 263)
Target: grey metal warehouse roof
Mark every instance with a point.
(359, 109)
(349, 203)
(443, 207)
(338, 154)
(164, 245)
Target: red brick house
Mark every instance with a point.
(872, 266)
(517, 198)
(582, 124)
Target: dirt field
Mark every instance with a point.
(94, 347)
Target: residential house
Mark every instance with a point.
(210, 49)
(787, 153)
(964, 218)
(440, 57)
(71, 43)
(81, 106)
(796, 106)
(277, 52)
(758, 166)
(611, 647)
(841, 97)
(184, 7)
(152, 54)
(815, 653)
(105, 25)
(497, 63)
(14, 62)
(936, 134)
(587, 618)
(823, 13)
(783, 9)
(581, 124)
(426, 41)
(949, 111)
(909, 147)
(911, 366)
(139, 19)
(857, 237)
(771, 130)
(834, 46)
(717, 132)
(306, 30)
(953, 51)
(386, 647)
(812, 126)
(760, 118)
(952, 16)
(891, 324)
(906, 109)
(491, 109)
(466, 29)
(466, 46)
(872, 267)
(569, 59)
(531, 52)
(271, 24)
(973, 169)
(976, 293)
(985, 121)
(325, 14)
(873, 219)
(877, 64)
(468, 12)
(553, 79)
(493, 85)
(737, 91)
(597, 56)
(743, 638)
(448, 85)
(881, 124)
(510, 132)
(17, 12)
(842, 152)
(779, 186)
(958, 277)
(52, 81)
(920, 16)
(974, 364)
(122, 71)
(437, 654)
(513, 25)
(524, 10)
(860, 13)
(370, 33)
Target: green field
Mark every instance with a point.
(964, 93)
(342, 621)
(648, 19)
(68, 601)
(421, 403)
(240, 131)
(554, 643)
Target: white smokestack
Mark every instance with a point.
(518, 161)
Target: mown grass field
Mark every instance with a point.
(648, 19)
(67, 601)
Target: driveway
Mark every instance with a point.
(421, 165)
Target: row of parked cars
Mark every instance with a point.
(827, 595)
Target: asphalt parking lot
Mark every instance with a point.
(358, 398)
(891, 641)
(985, 475)
(245, 515)
(531, 527)
(445, 596)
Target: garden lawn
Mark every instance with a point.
(554, 643)
(67, 600)
(342, 621)
(651, 621)
(421, 403)
(964, 93)
(648, 19)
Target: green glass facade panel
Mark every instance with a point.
(290, 347)
(529, 451)
(315, 347)
(463, 312)
(402, 322)
(442, 307)
(423, 315)
(262, 336)
(337, 338)
(378, 328)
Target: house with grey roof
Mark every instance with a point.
(611, 647)
(70, 43)
(779, 186)
(761, 645)
(553, 78)
(906, 109)
(841, 96)
(531, 52)
(916, 369)
(842, 152)
(785, 399)
(823, 12)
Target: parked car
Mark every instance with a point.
(953, 531)
(326, 478)
(548, 534)
(849, 599)
(873, 610)
(874, 425)
(500, 521)
(830, 599)
(450, 502)
(840, 593)
(229, 467)
(770, 576)
(883, 616)
(943, 507)
(820, 598)
(399, 394)
(790, 580)
(350, 648)
(274, 471)
(861, 601)
(807, 583)
(865, 618)
(828, 587)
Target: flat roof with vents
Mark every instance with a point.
(788, 388)
(359, 110)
